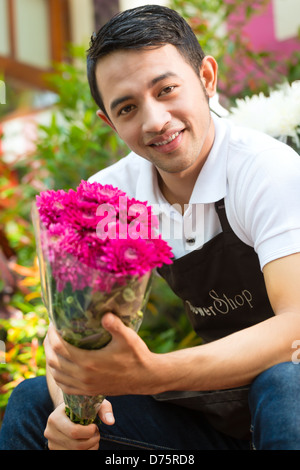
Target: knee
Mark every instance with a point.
(29, 391)
(275, 410)
(24, 388)
(281, 379)
(20, 392)
(26, 415)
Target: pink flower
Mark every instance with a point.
(135, 257)
(99, 229)
(51, 205)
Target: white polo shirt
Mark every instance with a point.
(258, 177)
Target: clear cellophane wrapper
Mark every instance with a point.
(76, 297)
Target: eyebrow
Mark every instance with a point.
(152, 83)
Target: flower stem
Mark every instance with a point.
(71, 415)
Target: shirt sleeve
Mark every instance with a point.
(267, 203)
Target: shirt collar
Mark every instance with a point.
(211, 182)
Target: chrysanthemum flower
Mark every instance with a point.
(82, 240)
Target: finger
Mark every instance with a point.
(56, 343)
(85, 437)
(114, 325)
(67, 384)
(59, 420)
(63, 434)
(106, 413)
(62, 368)
(57, 362)
(61, 442)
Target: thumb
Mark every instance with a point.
(113, 324)
(105, 413)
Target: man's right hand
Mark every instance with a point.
(63, 434)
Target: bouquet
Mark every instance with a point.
(97, 248)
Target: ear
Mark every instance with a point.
(104, 118)
(209, 74)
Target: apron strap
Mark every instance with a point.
(220, 209)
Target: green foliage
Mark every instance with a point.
(293, 66)
(75, 143)
(23, 338)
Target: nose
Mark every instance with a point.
(155, 117)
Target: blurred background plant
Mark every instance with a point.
(72, 145)
(75, 144)
(243, 69)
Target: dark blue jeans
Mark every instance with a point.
(144, 423)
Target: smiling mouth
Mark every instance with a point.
(165, 142)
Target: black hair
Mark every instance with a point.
(139, 28)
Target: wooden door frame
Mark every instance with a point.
(59, 27)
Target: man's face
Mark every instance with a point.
(158, 106)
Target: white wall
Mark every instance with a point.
(286, 18)
(4, 32)
(32, 35)
(82, 21)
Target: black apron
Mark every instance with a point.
(223, 291)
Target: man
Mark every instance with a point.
(237, 272)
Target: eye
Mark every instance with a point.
(126, 110)
(166, 90)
